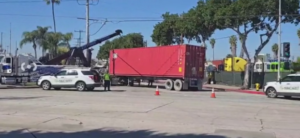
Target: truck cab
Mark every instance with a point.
(6, 63)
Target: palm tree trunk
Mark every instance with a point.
(35, 53)
(34, 48)
(234, 51)
(53, 16)
(213, 54)
(242, 53)
(275, 55)
(43, 52)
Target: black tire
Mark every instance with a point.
(287, 97)
(90, 88)
(131, 83)
(46, 85)
(271, 93)
(178, 84)
(80, 86)
(169, 84)
(57, 88)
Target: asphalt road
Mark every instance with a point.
(137, 113)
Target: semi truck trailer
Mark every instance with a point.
(182, 66)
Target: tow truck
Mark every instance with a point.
(16, 68)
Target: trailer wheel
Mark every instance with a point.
(169, 85)
(178, 85)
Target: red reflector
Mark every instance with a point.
(92, 77)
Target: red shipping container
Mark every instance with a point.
(176, 61)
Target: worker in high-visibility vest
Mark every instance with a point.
(106, 81)
(209, 78)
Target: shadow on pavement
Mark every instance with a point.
(163, 87)
(292, 98)
(99, 133)
(21, 98)
(112, 90)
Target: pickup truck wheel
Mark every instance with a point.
(271, 93)
(80, 86)
(178, 85)
(169, 84)
(46, 85)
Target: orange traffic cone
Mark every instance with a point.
(213, 95)
(157, 91)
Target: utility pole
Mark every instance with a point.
(87, 19)
(87, 25)
(279, 42)
(16, 48)
(1, 40)
(79, 38)
(10, 38)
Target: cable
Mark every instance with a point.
(11, 14)
(99, 28)
(133, 19)
(32, 1)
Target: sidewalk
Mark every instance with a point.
(232, 88)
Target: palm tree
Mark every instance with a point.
(233, 45)
(53, 40)
(242, 38)
(67, 38)
(52, 2)
(275, 50)
(42, 32)
(212, 43)
(30, 37)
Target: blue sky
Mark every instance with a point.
(25, 16)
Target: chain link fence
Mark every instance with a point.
(237, 78)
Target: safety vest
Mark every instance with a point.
(106, 76)
(210, 75)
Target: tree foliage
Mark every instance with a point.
(275, 50)
(48, 41)
(30, 37)
(166, 32)
(131, 40)
(212, 43)
(190, 26)
(241, 16)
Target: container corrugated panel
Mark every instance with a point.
(163, 61)
(195, 61)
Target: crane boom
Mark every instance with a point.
(78, 51)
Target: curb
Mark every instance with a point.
(238, 90)
(19, 87)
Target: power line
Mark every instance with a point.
(34, 15)
(100, 28)
(136, 19)
(32, 1)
